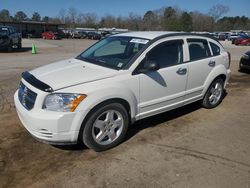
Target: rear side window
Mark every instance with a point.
(198, 49)
(167, 53)
(215, 49)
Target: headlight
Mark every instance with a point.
(245, 56)
(63, 102)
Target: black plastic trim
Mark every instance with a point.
(35, 82)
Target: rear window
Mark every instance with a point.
(198, 49)
(215, 49)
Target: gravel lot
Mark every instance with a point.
(188, 147)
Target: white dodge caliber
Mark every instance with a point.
(94, 97)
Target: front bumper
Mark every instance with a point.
(51, 127)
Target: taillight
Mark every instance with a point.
(229, 57)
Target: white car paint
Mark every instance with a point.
(144, 96)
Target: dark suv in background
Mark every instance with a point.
(9, 38)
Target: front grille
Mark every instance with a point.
(26, 96)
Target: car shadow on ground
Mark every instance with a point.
(161, 118)
(24, 49)
(71, 147)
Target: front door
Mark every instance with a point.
(164, 89)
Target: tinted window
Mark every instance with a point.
(215, 49)
(166, 54)
(198, 49)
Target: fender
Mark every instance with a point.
(218, 70)
(102, 95)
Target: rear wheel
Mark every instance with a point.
(214, 94)
(106, 127)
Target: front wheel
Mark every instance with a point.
(106, 127)
(214, 94)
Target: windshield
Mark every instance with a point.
(4, 31)
(113, 52)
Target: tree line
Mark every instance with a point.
(166, 18)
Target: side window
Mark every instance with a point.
(167, 54)
(198, 49)
(215, 49)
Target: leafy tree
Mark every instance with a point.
(36, 16)
(149, 20)
(108, 21)
(236, 23)
(170, 19)
(46, 19)
(20, 16)
(5, 15)
(186, 22)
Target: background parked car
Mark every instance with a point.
(90, 35)
(94, 35)
(9, 38)
(221, 36)
(79, 35)
(245, 62)
(243, 40)
(50, 35)
(232, 37)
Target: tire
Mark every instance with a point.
(214, 94)
(105, 128)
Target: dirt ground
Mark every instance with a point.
(187, 147)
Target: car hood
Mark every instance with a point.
(71, 72)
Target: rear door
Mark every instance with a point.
(200, 65)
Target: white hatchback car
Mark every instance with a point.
(121, 79)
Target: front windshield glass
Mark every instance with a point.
(113, 52)
(4, 31)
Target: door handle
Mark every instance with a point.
(181, 71)
(211, 63)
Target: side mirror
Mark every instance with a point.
(149, 65)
